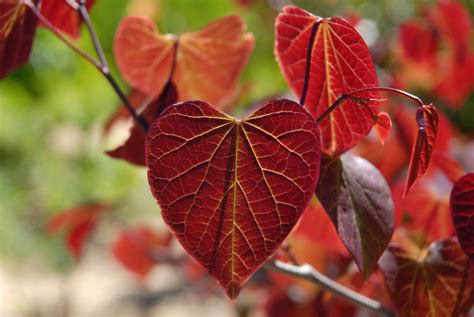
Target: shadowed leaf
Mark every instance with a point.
(231, 190)
(340, 64)
(438, 281)
(358, 200)
(462, 212)
(17, 30)
(208, 62)
(427, 121)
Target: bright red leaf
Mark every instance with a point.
(382, 126)
(357, 199)
(134, 249)
(78, 223)
(438, 281)
(208, 62)
(133, 150)
(427, 121)
(462, 212)
(63, 16)
(232, 189)
(340, 64)
(17, 30)
(418, 41)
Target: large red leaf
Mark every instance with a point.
(134, 249)
(78, 223)
(358, 201)
(208, 62)
(232, 189)
(63, 16)
(340, 63)
(418, 41)
(462, 212)
(436, 282)
(427, 121)
(17, 30)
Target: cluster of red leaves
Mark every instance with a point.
(434, 53)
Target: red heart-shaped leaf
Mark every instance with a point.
(63, 16)
(340, 63)
(427, 121)
(358, 200)
(462, 212)
(17, 30)
(435, 282)
(208, 62)
(232, 189)
(382, 126)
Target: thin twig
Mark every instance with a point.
(309, 54)
(307, 272)
(352, 94)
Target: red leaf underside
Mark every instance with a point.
(17, 30)
(231, 190)
(340, 64)
(462, 212)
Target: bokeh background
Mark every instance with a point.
(52, 117)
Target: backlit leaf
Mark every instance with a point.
(340, 64)
(17, 30)
(134, 249)
(462, 212)
(78, 223)
(382, 126)
(358, 200)
(63, 16)
(427, 121)
(232, 189)
(208, 62)
(438, 281)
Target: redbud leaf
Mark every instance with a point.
(358, 200)
(438, 281)
(340, 64)
(63, 16)
(462, 212)
(382, 126)
(17, 30)
(427, 121)
(208, 62)
(231, 190)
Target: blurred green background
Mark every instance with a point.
(52, 113)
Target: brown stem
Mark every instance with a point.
(352, 94)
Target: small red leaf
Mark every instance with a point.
(359, 203)
(17, 30)
(134, 249)
(340, 64)
(232, 189)
(208, 62)
(462, 212)
(436, 282)
(78, 222)
(63, 16)
(382, 126)
(133, 150)
(419, 41)
(427, 121)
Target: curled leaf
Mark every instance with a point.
(462, 212)
(231, 190)
(427, 121)
(340, 64)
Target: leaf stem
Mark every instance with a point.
(307, 272)
(352, 94)
(102, 65)
(308, 61)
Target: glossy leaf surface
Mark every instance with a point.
(462, 212)
(17, 30)
(231, 190)
(427, 121)
(437, 282)
(63, 16)
(208, 62)
(340, 63)
(358, 200)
